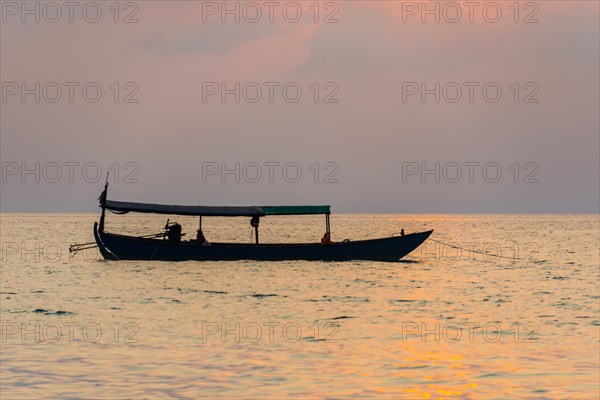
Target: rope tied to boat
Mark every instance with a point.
(77, 247)
(472, 250)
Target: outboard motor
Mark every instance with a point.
(174, 233)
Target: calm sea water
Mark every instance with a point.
(446, 323)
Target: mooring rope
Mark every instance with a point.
(77, 247)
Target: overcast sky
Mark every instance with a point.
(508, 122)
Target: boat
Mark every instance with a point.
(170, 246)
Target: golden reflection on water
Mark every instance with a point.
(376, 334)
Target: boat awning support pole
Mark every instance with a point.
(254, 223)
(200, 223)
(327, 224)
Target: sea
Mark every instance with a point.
(490, 307)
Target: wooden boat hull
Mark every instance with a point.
(120, 247)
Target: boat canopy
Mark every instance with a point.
(123, 207)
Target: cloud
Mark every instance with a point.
(369, 133)
(215, 38)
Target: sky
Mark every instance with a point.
(370, 106)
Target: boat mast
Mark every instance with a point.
(102, 199)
